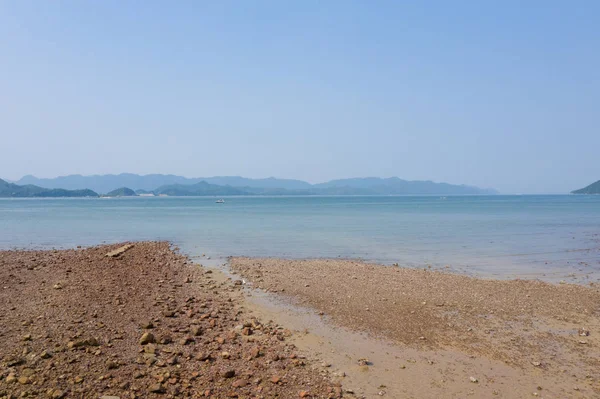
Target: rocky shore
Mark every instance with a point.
(142, 323)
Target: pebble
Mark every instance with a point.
(275, 379)
(147, 338)
(229, 374)
(473, 380)
(156, 388)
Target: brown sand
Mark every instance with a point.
(71, 323)
(527, 337)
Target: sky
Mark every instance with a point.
(502, 95)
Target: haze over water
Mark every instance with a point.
(547, 237)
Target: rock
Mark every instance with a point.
(304, 394)
(168, 313)
(275, 379)
(228, 374)
(156, 388)
(240, 383)
(17, 361)
(27, 372)
(46, 355)
(247, 331)
(196, 331)
(148, 325)
(238, 282)
(147, 338)
(26, 337)
(186, 340)
(536, 364)
(57, 286)
(24, 380)
(10, 379)
(473, 380)
(583, 332)
(110, 397)
(58, 394)
(111, 365)
(364, 362)
(225, 355)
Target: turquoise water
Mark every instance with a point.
(542, 236)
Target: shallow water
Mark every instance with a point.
(551, 236)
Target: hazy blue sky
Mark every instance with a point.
(501, 94)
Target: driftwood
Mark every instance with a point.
(119, 251)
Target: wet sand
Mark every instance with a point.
(144, 323)
(429, 334)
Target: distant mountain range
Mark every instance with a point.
(593, 188)
(236, 185)
(12, 190)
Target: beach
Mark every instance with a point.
(434, 334)
(137, 320)
(146, 323)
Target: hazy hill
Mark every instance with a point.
(122, 192)
(199, 189)
(593, 188)
(395, 185)
(269, 186)
(106, 183)
(269, 183)
(16, 191)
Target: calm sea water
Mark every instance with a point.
(551, 237)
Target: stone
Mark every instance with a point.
(27, 372)
(147, 338)
(110, 397)
(148, 325)
(196, 331)
(473, 380)
(58, 394)
(228, 374)
(240, 383)
(24, 380)
(275, 379)
(156, 388)
(46, 354)
(111, 365)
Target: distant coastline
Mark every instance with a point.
(170, 185)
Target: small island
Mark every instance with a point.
(593, 188)
(121, 192)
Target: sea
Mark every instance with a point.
(548, 237)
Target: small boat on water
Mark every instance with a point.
(220, 201)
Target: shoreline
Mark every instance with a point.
(347, 328)
(515, 337)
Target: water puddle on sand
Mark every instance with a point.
(394, 370)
